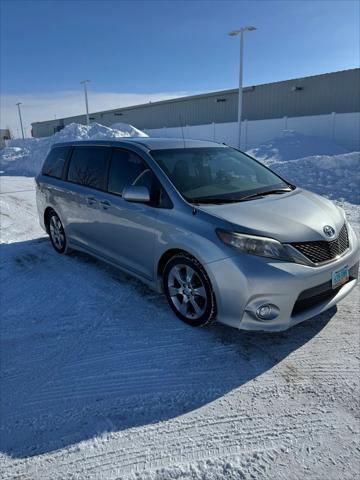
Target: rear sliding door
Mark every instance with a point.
(86, 181)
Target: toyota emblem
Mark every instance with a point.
(329, 231)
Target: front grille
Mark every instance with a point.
(323, 251)
(315, 295)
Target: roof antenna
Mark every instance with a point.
(182, 130)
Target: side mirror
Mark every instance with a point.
(136, 194)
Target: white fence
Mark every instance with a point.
(342, 128)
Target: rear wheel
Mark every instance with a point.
(57, 233)
(188, 290)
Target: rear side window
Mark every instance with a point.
(127, 169)
(55, 161)
(88, 166)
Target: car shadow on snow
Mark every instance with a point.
(87, 350)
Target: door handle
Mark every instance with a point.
(105, 204)
(91, 200)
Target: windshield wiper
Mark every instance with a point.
(219, 201)
(268, 192)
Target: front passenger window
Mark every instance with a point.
(145, 179)
(127, 169)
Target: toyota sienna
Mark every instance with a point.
(222, 236)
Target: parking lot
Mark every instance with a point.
(100, 380)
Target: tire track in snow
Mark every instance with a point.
(292, 417)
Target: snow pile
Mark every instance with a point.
(291, 145)
(125, 127)
(11, 154)
(25, 157)
(313, 163)
(336, 176)
(23, 160)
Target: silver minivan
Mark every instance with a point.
(222, 236)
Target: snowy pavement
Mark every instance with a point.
(99, 380)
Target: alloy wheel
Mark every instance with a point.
(187, 291)
(57, 232)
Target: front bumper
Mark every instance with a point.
(245, 282)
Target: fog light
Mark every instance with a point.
(267, 312)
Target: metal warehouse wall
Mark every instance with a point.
(321, 94)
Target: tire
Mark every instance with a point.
(57, 233)
(188, 290)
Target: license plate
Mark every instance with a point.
(340, 277)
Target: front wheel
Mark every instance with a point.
(188, 290)
(57, 233)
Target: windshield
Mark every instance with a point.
(219, 174)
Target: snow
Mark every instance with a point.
(337, 176)
(313, 163)
(25, 157)
(132, 131)
(291, 145)
(99, 380)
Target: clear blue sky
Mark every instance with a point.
(170, 46)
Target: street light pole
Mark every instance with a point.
(84, 82)
(240, 32)
(241, 69)
(21, 123)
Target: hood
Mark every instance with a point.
(297, 216)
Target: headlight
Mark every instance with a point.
(261, 246)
